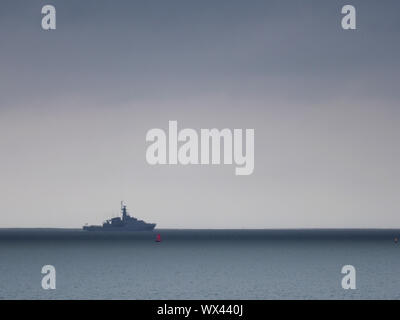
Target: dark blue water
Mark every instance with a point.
(200, 264)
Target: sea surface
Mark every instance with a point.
(199, 264)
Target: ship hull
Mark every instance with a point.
(148, 227)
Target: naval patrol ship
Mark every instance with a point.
(124, 223)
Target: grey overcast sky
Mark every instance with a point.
(76, 104)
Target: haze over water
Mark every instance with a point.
(199, 264)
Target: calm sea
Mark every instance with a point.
(200, 264)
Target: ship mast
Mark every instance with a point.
(123, 210)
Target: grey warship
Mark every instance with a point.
(124, 223)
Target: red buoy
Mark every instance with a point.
(158, 238)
